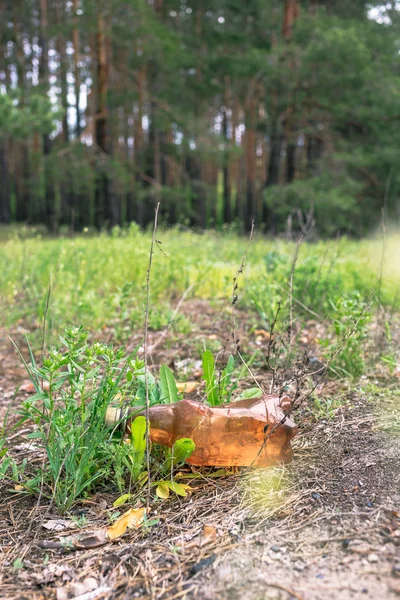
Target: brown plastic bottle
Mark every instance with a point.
(228, 435)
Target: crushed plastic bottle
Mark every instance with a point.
(250, 432)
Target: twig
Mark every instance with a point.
(235, 287)
(298, 399)
(145, 347)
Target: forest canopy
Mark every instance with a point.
(282, 111)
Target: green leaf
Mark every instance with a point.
(178, 488)
(226, 374)
(208, 376)
(169, 391)
(250, 393)
(122, 500)
(138, 433)
(138, 440)
(162, 490)
(181, 450)
(35, 434)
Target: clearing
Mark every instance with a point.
(325, 526)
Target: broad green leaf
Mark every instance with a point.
(122, 499)
(162, 490)
(138, 440)
(169, 391)
(181, 450)
(209, 377)
(226, 379)
(179, 488)
(138, 433)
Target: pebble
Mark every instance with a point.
(275, 548)
(373, 558)
(396, 570)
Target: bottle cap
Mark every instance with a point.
(115, 417)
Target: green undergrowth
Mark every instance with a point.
(99, 281)
(75, 384)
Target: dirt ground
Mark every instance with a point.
(327, 526)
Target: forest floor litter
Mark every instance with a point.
(325, 526)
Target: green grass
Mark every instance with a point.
(99, 281)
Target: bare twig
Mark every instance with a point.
(298, 378)
(145, 347)
(235, 287)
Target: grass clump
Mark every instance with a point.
(74, 387)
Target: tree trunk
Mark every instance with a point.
(227, 213)
(50, 215)
(274, 159)
(5, 212)
(106, 203)
(138, 136)
(61, 49)
(290, 14)
(77, 79)
(22, 196)
(250, 149)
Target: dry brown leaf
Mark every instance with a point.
(264, 334)
(57, 524)
(188, 386)
(29, 388)
(209, 534)
(132, 518)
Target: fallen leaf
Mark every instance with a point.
(188, 386)
(122, 499)
(180, 489)
(162, 490)
(209, 534)
(57, 524)
(261, 332)
(132, 518)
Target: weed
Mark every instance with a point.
(325, 407)
(349, 312)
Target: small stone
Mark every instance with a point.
(373, 558)
(275, 548)
(316, 496)
(299, 566)
(396, 570)
(370, 504)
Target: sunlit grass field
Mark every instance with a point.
(100, 280)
